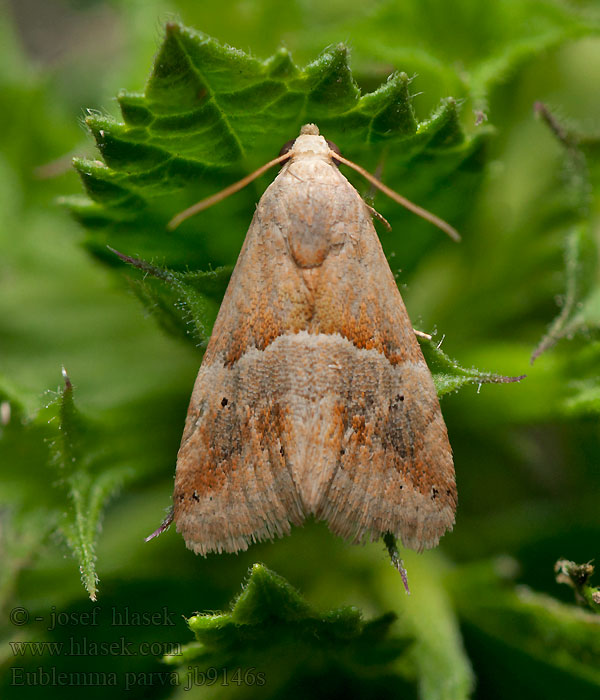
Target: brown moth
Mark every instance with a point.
(313, 397)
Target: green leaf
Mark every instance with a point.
(581, 303)
(517, 628)
(271, 629)
(184, 303)
(76, 453)
(437, 658)
(580, 312)
(22, 531)
(477, 48)
(21, 536)
(449, 376)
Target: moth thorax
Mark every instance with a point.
(307, 145)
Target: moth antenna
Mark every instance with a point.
(415, 208)
(213, 199)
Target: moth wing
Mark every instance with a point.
(385, 463)
(233, 485)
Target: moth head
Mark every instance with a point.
(310, 142)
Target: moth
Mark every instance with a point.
(313, 397)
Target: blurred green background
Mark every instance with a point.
(485, 604)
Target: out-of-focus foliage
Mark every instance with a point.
(273, 632)
(495, 128)
(578, 576)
